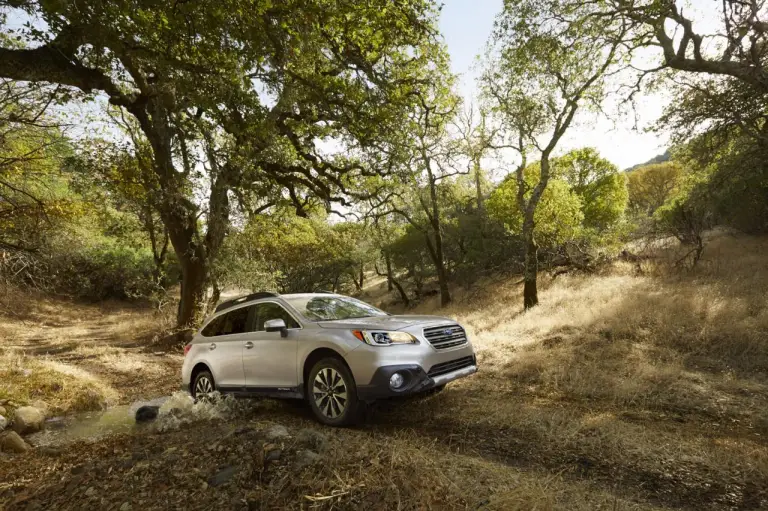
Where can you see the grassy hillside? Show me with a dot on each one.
(638, 388)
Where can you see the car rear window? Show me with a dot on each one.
(233, 322)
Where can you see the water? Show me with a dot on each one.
(175, 411)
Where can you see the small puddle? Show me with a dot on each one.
(175, 410)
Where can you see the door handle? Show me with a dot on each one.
(248, 345)
(212, 346)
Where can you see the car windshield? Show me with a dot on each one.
(329, 308)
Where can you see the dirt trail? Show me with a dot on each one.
(54, 350)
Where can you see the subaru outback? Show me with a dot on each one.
(337, 352)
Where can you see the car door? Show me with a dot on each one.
(225, 354)
(269, 359)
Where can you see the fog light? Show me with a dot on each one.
(396, 381)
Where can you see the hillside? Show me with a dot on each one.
(623, 390)
(659, 158)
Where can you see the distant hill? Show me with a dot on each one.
(665, 156)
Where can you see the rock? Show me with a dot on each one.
(306, 458)
(223, 475)
(3, 422)
(10, 441)
(28, 419)
(126, 506)
(273, 455)
(272, 452)
(3, 411)
(90, 492)
(147, 413)
(277, 432)
(312, 439)
(42, 406)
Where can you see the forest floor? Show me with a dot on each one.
(641, 387)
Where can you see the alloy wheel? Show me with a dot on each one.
(330, 392)
(203, 387)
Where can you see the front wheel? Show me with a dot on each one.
(332, 393)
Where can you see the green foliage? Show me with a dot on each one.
(598, 183)
(653, 185)
(288, 253)
(558, 217)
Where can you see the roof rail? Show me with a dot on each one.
(241, 299)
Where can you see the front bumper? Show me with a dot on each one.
(416, 380)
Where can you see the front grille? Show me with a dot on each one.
(449, 367)
(444, 337)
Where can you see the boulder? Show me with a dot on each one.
(42, 406)
(147, 413)
(3, 411)
(10, 441)
(28, 419)
(3, 423)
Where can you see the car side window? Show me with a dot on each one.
(235, 322)
(213, 328)
(270, 310)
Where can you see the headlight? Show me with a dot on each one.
(375, 338)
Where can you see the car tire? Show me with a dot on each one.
(203, 386)
(332, 393)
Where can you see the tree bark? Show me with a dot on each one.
(388, 260)
(193, 282)
(437, 251)
(402, 293)
(530, 273)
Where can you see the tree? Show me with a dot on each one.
(235, 94)
(540, 69)
(32, 150)
(110, 175)
(653, 185)
(598, 183)
(740, 32)
(429, 155)
(558, 217)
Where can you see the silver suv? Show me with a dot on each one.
(333, 350)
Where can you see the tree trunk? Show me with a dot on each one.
(530, 291)
(478, 187)
(437, 251)
(388, 260)
(193, 282)
(403, 295)
(362, 276)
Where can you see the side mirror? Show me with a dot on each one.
(276, 325)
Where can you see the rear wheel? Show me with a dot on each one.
(332, 393)
(203, 386)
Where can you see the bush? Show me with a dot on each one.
(104, 271)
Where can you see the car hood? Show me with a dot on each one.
(384, 322)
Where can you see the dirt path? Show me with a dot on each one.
(78, 357)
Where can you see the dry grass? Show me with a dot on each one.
(622, 390)
(77, 356)
(657, 381)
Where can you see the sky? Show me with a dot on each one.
(466, 25)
